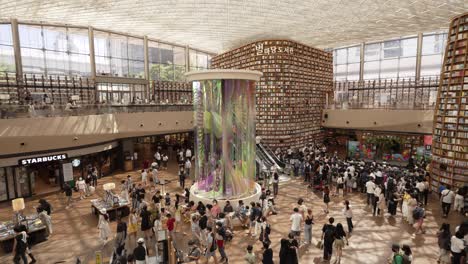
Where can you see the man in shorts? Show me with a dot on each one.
(296, 221)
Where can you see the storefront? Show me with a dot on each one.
(384, 146)
(144, 148)
(46, 172)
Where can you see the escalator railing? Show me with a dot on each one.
(270, 153)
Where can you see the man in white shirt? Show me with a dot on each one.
(157, 157)
(296, 221)
(154, 173)
(447, 197)
(377, 196)
(165, 158)
(457, 247)
(421, 187)
(370, 187)
(144, 177)
(188, 166)
(188, 154)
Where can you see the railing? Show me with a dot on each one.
(28, 111)
(41, 96)
(386, 94)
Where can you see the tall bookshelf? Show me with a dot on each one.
(450, 136)
(291, 94)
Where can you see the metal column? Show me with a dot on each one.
(92, 60)
(361, 68)
(147, 72)
(18, 59)
(418, 56)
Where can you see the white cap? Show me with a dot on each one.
(103, 211)
(141, 240)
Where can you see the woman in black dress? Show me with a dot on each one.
(267, 254)
(146, 223)
(283, 251)
(288, 251)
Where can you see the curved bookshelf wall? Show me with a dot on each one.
(450, 135)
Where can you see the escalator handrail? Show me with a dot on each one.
(273, 155)
(270, 156)
(264, 159)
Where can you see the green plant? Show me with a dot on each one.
(6, 68)
(167, 72)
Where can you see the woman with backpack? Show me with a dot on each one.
(418, 216)
(443, 239)
(210, 246)
(265, 230)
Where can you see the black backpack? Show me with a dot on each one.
(418, 213)
(203, 222)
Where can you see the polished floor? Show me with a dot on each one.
(76, 235)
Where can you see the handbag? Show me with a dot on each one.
(319, 244)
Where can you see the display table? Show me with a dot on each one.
(36, 233)
(120, 209)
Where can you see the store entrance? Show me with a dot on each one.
(45, 177)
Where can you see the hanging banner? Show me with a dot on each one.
(67, 172)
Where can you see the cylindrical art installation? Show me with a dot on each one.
(224, 107)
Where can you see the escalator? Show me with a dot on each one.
(263, 159)
(272, 155)
(268, 159)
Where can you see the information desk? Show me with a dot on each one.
(121, 209)
(36, 233)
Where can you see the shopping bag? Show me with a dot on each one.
(320, 244)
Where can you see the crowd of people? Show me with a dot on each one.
(387, 190)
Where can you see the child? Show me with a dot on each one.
(170, 225)
(270, 208)
(167, 199)
(250, 256)
(178, 216)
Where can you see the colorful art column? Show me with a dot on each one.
(224, 107)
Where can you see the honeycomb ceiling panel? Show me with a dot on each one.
(219, 25)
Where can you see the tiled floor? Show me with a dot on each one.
(76, 235)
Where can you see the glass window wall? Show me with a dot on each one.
(118, 55)
(120, 94)
(7, 54)
(346, 63)
(198, 60)
(433, 47)
(54, 50)
(166, 62)
(390, 59)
